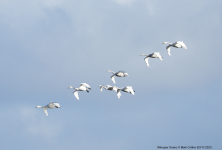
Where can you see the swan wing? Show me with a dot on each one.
(146, 60)
(168, 49)
(85, 84)
(115, 88)
(113, 79)
(158, 55)
(45, 111)
(76, 94)
(131, 90)
(182, 44)
(101, 87)
(118, 94)
(57, 105)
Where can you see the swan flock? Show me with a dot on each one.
(127, 89)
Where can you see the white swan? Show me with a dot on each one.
(118, 74)
(127, 89)
(83, 87)
(178, 44)
(110, 88)
(51, 105)
(153, 55)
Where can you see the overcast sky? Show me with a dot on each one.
(48, 45)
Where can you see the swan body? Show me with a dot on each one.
(51, 105)
(83, 87)
(127, 89)
(118, 74)
(110, 88)
(178, 44)
(153, 55)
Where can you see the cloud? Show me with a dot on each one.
(50, 45)
(32, 122)
(53, 3)
(125, 2)
(37, 125)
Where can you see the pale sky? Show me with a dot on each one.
(48, 45)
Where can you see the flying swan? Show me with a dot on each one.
(110, 88)
(118, 74)
(51, 105)
(178, 44)
(153, 55)
(83, 87)
(127, 89)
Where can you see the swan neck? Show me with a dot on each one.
(167, 43)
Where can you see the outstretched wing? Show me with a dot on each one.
(182, 44)
(146, 60)
(158, 55)
(57, 105)
(118, 93)
(131, 89)
(45, 111)
(108, 86)
(168, 49)
(76, 94)
(113, 79)
(115, 88)
(85, 84)
(101, 87)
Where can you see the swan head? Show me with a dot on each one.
(166, 43)
(38, 106)
(70, 87)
